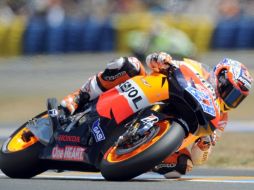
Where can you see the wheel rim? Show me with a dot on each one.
(16, 142)
(112, 157)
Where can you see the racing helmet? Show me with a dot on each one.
(233, 82)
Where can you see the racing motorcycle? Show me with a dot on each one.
(125, 132)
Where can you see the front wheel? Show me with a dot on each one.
(122, 167)
(19, 155)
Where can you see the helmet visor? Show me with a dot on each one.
(231, 95)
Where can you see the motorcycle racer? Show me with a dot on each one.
(116, 72)
(232, 82)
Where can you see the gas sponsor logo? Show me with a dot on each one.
(70, 153)
(67, 138)
(97, 131)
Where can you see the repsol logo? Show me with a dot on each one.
(132, 93)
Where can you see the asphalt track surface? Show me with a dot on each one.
(46, 75)
(200, 179)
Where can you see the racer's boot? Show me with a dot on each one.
(74, 101)
(175, 165)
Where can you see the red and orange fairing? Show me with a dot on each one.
(133, 95)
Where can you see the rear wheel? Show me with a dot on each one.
(120, 167)
(19, 155)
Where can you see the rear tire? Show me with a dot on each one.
(23, 162)
(144, 161)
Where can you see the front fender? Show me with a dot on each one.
(41, 128)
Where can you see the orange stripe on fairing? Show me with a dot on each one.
(109, 102)
(152, 87)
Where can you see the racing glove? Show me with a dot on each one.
(158, 61)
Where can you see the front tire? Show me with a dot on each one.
(126, 167)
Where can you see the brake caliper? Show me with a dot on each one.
(137, 134)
